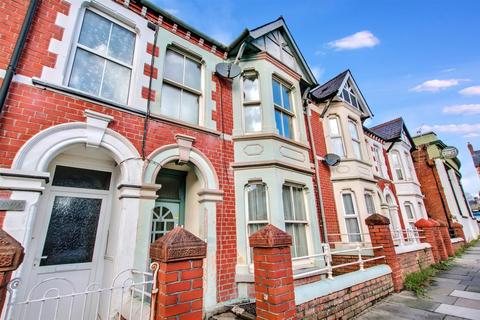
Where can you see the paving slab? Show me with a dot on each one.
(464, 312)
(473, 288)
(466, 294)
(469, 303)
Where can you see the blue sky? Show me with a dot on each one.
(415, 59)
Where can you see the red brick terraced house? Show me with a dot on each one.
(117, 125)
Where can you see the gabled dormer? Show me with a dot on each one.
(342, 88)
(274, 39)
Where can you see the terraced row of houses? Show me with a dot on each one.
(116, 128)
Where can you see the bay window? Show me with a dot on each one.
(283, 108)
(251, 103)
(408, 162)
(352, 127)
(351, 217)
(181, 89)
(370, 204)
(378, 161)
(295, 218)
(336, 136)
(397, 165)
(103, 58)
(410, 213)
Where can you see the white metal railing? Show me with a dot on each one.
(348, 238)
(410, 235)
(128, 297)
(327, 256)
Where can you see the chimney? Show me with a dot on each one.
(470, 147)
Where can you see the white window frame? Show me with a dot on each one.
(413, 219)
(281, 109)
(348, 87)
(371, 195)
(306, 222)
(351, 216)
(355, 140)
(409, 166)
(247, 217)
(398, 167)
(181, 86)
(332, 136)
(378, 160)
(253, 103)
(76, 45)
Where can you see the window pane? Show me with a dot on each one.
(253, 119)
(95, 32)
(348, 204)
(298, 200)
(346, 96)
(354, 101)
(337, 145)
(250, 88)
(71, 231)
(116, 82)
(285, 97)
(352, 126)
(408, 209)
(278, 122)
(287, 125)
(257, 202)
(272, 47)
(369, 203)
(287, 203)
(170, 104)
(173, 66)
(254, 227)
(189, 107)
(356, 150)
(192, 74)
(86, 72)
(300, 240)
(81, 178)
(171, 186)
(122, 44)
(353, 229)
(333, 125)
(277, 95)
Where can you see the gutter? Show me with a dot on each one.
(17, 51)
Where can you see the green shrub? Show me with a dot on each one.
(420, 280)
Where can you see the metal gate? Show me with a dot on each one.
(128, 297)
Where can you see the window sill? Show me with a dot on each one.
(274, 136)
(123, 107)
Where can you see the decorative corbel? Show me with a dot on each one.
(97, 123)
(185, 146)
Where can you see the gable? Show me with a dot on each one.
(350, 93)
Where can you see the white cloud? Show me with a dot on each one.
(362, 39)
(448, 70)
(471, 91)
(461, 128)
(437, 85)
(318, 72)
(472, 135)
(463, 109)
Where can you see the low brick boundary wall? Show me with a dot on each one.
(457, 243)
(341, 259)
(413, 261)
(348, 302)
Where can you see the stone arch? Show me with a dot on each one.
(42, 148)
(163, 155)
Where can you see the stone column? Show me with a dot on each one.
(274, 290)
(428, 228)
(11, 256)
(380, 235)
(446, 238)
(180, 256)
(442, 251)
(458, 229)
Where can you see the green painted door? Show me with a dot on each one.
(169, 210)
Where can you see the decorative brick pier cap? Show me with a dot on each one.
(178, 245)
(270, 237)
(377, 220)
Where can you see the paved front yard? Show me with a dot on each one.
(454, 294)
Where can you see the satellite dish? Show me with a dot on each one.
(449, 152)
(227, 70)
(331, 159)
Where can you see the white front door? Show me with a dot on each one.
(69, 240)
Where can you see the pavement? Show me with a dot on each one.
(454, 294)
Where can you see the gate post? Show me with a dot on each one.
(428, 228)
(11, 256)
(458, 229)
(380, 235)
(179, 255)
(446, 238)
(442, 251)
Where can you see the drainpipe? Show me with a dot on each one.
(317, 173)
(17, 51)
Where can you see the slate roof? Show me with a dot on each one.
(476, 158)
(390, 130)
(329, 88)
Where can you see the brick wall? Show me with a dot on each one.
(415, 260)
(328, 196)
(457, 245)
(341, 259)
(428, 178)
(347, 303)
